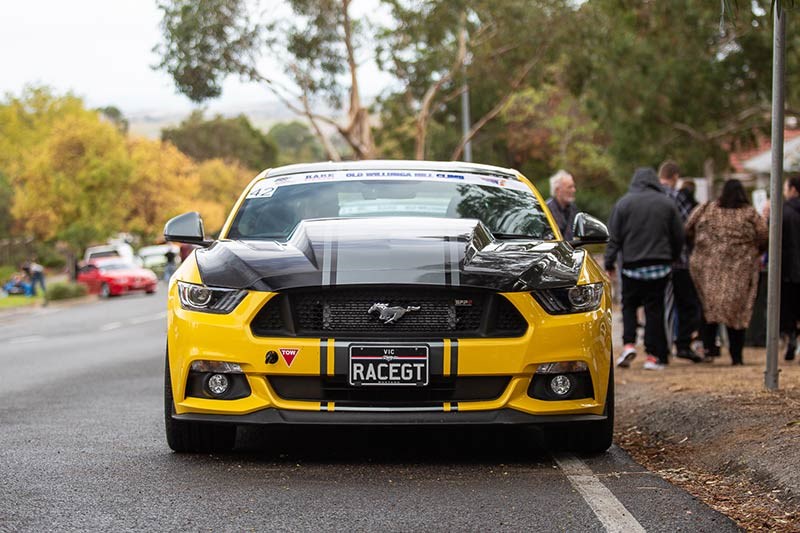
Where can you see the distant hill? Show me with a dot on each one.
(149, 123)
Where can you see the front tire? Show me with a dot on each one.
(587, 437)
(597, 437)
(193, 437)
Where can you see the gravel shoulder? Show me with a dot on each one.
(715, 431)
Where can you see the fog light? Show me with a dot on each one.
(561, 385)
(218, 384)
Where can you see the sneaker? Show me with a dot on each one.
(628, 355)
(652, 364)
(688, 353)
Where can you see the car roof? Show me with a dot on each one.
(394, 164)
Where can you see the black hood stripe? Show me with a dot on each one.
(390, 251)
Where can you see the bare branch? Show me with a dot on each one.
(424, 114)
(485, 119)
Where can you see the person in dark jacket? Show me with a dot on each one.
(790, 265)
(686, 305)
(562, 202)
(647, 233)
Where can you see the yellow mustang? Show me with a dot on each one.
(388, 293)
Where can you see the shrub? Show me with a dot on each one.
(63, 291)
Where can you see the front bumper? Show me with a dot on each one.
(404, 418)
(576, 337)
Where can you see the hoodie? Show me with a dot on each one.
(645, 226)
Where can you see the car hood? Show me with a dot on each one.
(365, 251)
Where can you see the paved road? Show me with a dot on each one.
(82, 448)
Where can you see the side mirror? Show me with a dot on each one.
(588, 230)
(187, 228)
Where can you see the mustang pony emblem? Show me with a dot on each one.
(391, 314)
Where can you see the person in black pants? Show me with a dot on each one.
(790, 266)
(686, 303)
(647, 233)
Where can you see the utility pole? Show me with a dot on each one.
(776, 196)
(466, 122)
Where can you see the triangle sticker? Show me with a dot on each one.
(289, 354)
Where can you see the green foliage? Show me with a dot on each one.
(115, 116)
(232, 139)
(6, 271)
(663, 81)
(204, 42)
(63, 290)
(6, 198)
(295, 143)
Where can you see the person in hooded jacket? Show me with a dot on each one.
(646, 232)
(790, 265)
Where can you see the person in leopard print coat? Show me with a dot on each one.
(729, 236)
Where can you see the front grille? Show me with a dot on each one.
(440, 389)
(345, 312)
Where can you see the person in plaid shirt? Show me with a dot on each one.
(646, 232)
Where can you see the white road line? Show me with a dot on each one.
(22, 340)
(608, 509)
(110, 326)
(149, 318)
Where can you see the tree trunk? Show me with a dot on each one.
(358, 132)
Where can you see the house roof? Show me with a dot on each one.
(762, 163)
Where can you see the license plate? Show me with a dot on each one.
(388, 365)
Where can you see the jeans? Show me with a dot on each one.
(37, 278)
(650, 294)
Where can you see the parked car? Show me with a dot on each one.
(114, 276)
(389, 293)
(119, 250)
(155, 258)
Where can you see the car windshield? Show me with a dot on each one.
(115, 266)
(273, 208)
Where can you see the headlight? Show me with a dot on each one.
(209, 299)
(578, 299)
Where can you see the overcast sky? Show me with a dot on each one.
(100, 50)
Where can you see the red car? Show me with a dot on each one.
(112, 277)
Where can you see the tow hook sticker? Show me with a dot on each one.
(289, 354)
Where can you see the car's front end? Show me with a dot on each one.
(354, 318)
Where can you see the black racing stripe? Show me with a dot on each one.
(323, 406)
(454, 357)
(323, 357)
(454, 406)
(448, 262)
(341, 358)
(435, 358)
(334, 259)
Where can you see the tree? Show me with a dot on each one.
(548, 128)
(509, 44)
(221, 184)
(295, 143)
(663, 80)
(232, 139)
(115, 116)
(205, 41)
(163, 183)
(71, 188)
